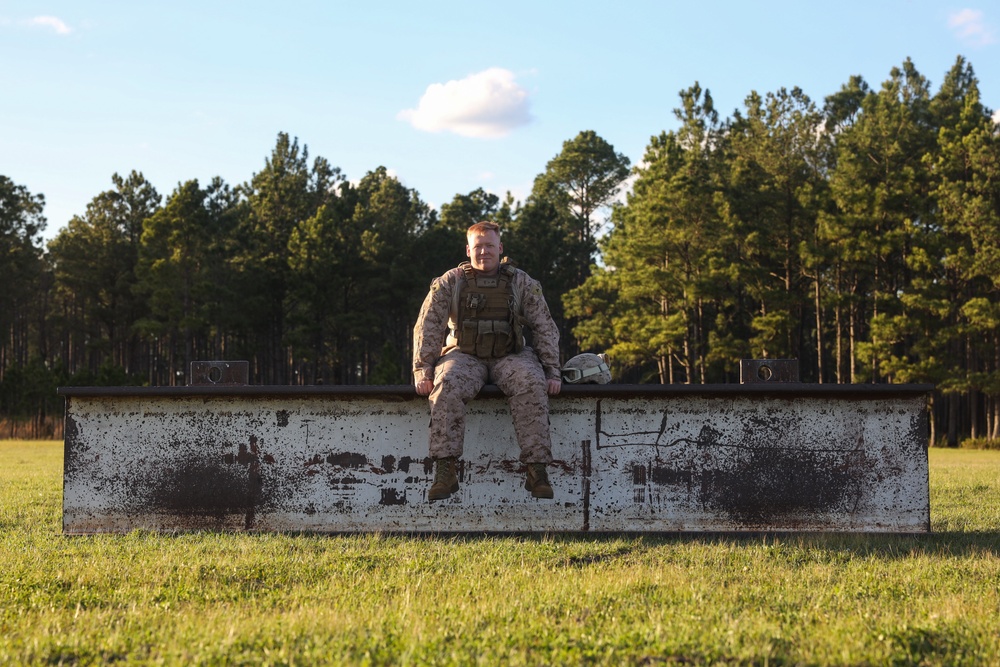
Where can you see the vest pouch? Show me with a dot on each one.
(502, 338)
(485, 339)
(468, 336)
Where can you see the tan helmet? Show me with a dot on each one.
(587, 368)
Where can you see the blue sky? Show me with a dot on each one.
(449, 96)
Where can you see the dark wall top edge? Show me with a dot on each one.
(789, 389)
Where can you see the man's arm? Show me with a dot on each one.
(545, 333)
(430, 332)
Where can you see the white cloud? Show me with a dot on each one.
(996, 116)
(625, 189)
(389, 171)
(50, 22)
(970, 26)
(487, 104)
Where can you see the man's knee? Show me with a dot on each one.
(461, 375)
(520, 376)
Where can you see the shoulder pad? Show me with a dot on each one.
(467, 269)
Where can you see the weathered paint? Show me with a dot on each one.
(628, 458)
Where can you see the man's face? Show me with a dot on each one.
(484, 251)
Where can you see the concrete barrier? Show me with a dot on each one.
(634, 458)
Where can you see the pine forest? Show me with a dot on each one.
(859, 235)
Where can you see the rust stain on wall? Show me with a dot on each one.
(770, 484)
(347, 459)
(202, 486)
(392, 497)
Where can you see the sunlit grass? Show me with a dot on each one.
(210, 598)
(965, 490)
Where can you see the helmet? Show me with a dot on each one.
(587, 367)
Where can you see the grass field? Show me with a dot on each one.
(210, 598)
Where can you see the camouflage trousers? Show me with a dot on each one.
(458, 377)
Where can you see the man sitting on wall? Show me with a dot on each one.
(471, 330)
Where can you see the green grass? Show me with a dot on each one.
(210, 598)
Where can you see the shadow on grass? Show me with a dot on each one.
(584, 549)
(881, 545)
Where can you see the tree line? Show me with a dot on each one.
(861, 237)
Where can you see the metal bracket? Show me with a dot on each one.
(754, 371)
(225, 373)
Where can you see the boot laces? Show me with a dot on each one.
(443, 471)
(539, 475)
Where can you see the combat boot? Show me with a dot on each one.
(537, 481)
(445, 479)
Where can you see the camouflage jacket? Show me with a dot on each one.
(434, 323)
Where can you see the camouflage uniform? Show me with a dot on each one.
(458, 376)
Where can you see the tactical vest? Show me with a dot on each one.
(486, 314)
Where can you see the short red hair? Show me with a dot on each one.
(483, 227)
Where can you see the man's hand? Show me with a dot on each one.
(553, 388)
